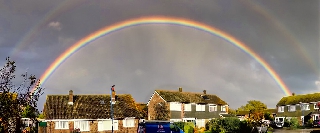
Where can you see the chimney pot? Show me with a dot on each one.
(204, 91)
(70, 102)
(180, 89)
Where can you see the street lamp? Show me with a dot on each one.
(302, 107)
(111, 102)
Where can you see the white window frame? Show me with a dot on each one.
(223, 108)
(61, 124)
(315, 106)
(200, 107)
(292, 108)
(82, 125)
(175, 106)
(106, 124)
(280, 108)
(213, 108)
(305, 107)
(128, 122)
(187, 107)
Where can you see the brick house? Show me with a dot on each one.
(188, 106)
(90, 113)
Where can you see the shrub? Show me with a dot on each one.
(188, 127)
(180, 125)
(294, 123)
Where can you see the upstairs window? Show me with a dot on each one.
(187, 107)
(223, 108)
(200, 107)
(281, 109)
(315, 106)
(212, 108)
(305, 107)
(175, 106)
(291, 108)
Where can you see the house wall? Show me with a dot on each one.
(296, 113)
(197, 114)
(153, 101)
(93, 128)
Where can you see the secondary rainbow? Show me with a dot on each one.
(161, 20)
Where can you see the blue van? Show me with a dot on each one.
(158, 127)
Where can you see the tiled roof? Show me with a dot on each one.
(296, 99)
(89, 107)
(189, 97)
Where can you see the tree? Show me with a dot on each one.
(253, 105)
(161, 111)
(256, 112)
(232, 112)
(17, 101)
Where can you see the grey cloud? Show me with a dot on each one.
(173, 55)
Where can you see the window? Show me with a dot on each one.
(291, 108)
(315, 106)
(200, 123)
(128, 122)
(107, 125)
(212, 108)
(187, 107)
(82, 125)
(175, 106)
(61, 125)
(224, 108)
(281, 109)
(305, 107)
(200, 107)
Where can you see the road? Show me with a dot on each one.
(295, 131)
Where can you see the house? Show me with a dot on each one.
(188, 106)
(90, 113)
(299, 106)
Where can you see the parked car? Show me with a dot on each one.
(158, 127)
(316, 123)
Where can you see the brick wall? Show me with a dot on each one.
(153, 101)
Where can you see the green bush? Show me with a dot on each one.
(180, 125)
(294, 123)
(188, 127)
(229, 124)
(245, 126)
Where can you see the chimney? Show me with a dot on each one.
(204, 91)
(180, 89)
(70, 102)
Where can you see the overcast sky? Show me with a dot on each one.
(143, 58)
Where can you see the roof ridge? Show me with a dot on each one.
(186, 92)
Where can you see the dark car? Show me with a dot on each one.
(316, 123)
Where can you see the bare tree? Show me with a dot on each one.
(14, 99)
